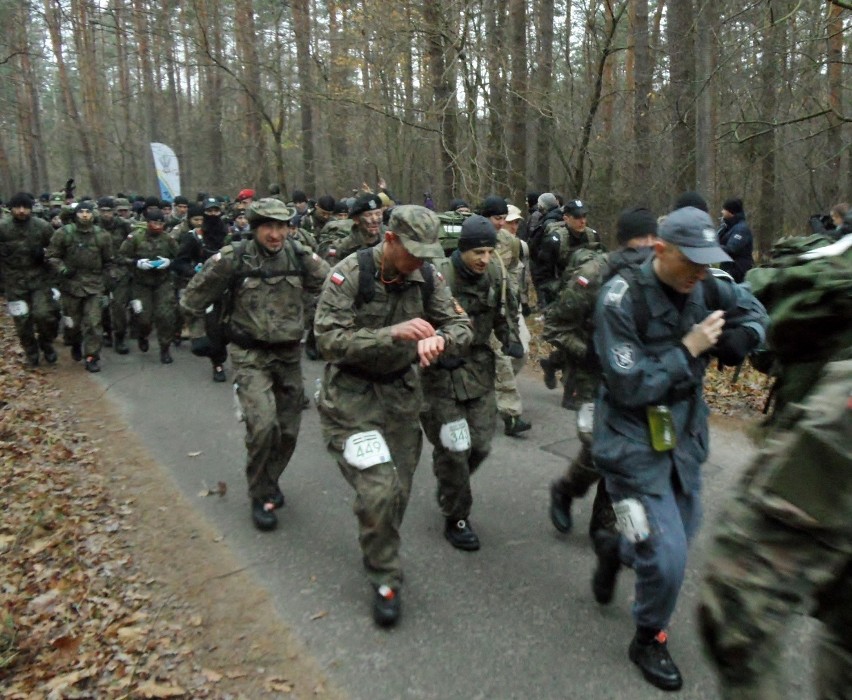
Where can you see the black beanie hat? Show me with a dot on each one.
(494, 206)
(635, 223)
(326, 202)
(477, 232)
(457, 203)
(180, 199)
(20, 199)
(692, 199)
(194, 210)
(106, 203)
(87, 205)
(152, 202)
(733, 205)
(299, 196)
(154, 215)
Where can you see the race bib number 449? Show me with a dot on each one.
(365, 450)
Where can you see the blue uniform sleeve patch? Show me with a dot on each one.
(623, 356)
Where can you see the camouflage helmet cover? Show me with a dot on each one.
(418, 229)
(268, 208)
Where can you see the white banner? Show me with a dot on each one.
(168, 172)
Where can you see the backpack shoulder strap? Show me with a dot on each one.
(428, 272)
(366, 277)
(641, 312)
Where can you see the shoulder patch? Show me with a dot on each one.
(616, 293)
(337, 278)
(217, 256)
(623, 356)
(582, 281)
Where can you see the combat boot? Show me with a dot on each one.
(165, 355)
(92, 364)
(609, 564)
(386, 606)
(460, 534)
(219, 374)
(653, 659)
(560, 508)
(264, 518)
(120, 346)
(515, 425)
(49, 353)
(549, 372)
(76, 352)
(143, 344)
(32, 358)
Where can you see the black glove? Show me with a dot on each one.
(734, 345)
(513, 349)
(201, 347)
(37, 254)
(525, 310)
(445, 362)
(70, 187)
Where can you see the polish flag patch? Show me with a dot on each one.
(582, 281)
(337, 278)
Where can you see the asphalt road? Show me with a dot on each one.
(515, 620)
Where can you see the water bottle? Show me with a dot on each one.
(662, 428)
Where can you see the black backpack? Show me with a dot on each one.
(367, 275)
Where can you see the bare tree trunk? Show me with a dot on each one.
(246, 35)
(496, 51)
(517, 126)
(29, 113)
(706, 51)
(146, 105)
(52, 12)
(770, 77)
(302, 28)
(543, 96)
(834, 136)
(337, 86)
(641, 100)
(680, 36)
(444, 97)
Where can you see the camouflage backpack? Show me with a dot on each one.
(807, 290)
(451, 226)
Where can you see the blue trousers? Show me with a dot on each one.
(660, 561)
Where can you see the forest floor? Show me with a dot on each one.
(106, 583)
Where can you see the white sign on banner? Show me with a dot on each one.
(168, 171)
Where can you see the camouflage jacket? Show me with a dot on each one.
(81, 258)
(482, 298)
(263, 293)
(22, 258)
(357, 336)
(142, 245)
(334, 231)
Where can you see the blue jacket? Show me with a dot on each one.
(641, 370)
(736, 240)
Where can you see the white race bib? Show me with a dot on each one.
(67, 322)
(18, 308)
(365, 450)
(586, 418)
(632, 519)
(455, 436)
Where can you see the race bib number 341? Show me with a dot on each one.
(365, 450)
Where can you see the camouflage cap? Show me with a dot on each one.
(418, 229)
(121, 203)
(58, 197)
(268, 208)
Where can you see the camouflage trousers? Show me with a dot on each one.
(269, 391)
(84, 314)
(508, 397)
(783, 546)
(39, 326)
(159, 310)
(581, 474)
(119, 300)
(350, 407)
(452, 468)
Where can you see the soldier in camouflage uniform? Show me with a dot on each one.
(26, 278)
(367, 229)
(118, 285)
(319, 216)
(461, 403)
(373, 325)
(569, 326)
(81, 254)
(149, 254)
(783, 543)
(260, 284)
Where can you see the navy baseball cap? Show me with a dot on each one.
(692, 231)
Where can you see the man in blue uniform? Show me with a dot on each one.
(655, 331)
